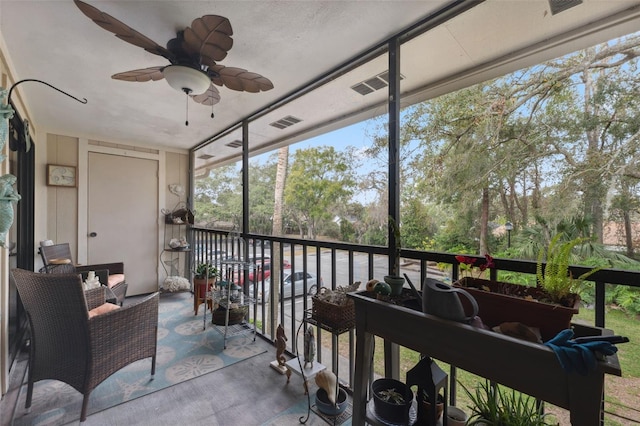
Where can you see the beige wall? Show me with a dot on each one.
(60, 211)
(61, 203)
(177, 172)
(65, 206)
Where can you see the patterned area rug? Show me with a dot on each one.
(184, 351)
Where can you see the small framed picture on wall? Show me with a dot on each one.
(58, 175)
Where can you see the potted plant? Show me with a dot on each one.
(204, 279)
(555, 278)
(325, 406)
(206, 272)
(391, 400)
(549, 306)
(425, 413)
(491, 405)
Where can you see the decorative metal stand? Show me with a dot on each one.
(230, 298)
(337, 419)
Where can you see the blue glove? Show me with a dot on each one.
(568, 356)
(578, 356)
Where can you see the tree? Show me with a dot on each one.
(595, 128)
(541, 141)
(276, 230)
(625, 204)
(319, 179)
(262, 176)
(218, 197)
(281, 177)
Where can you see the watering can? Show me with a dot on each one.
(443, 301)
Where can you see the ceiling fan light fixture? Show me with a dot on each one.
(186, 79)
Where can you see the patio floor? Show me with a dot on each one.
(247, 393)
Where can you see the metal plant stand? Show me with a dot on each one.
(230, 299)
(339, 418)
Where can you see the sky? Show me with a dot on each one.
(354, 135)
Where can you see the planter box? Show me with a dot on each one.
(520, 304)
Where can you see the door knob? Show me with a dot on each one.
(93, 234)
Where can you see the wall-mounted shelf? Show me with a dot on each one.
(175, 261)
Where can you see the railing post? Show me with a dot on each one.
(599, 304)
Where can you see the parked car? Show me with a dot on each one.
(262, 268)
(293, 284)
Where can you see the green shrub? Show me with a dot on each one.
(491, 405)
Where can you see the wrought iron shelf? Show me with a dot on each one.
(338, 419)
(224, 299)
(310, 319)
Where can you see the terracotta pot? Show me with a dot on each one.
(424, 411)
(496, 307)
(201, 285)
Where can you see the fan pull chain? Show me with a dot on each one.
(186, 123)
(212, 108)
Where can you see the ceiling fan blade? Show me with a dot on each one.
(240, 79)
(210, 97)
(141, 75)
(123, 31)
(209, 37)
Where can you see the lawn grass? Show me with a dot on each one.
(624, 325)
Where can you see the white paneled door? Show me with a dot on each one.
(123, 216)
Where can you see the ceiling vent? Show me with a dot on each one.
(205, 156)
(235, 144)
(558, 6)
(285, 122)
(372, 84)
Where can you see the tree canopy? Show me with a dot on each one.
(546, 144)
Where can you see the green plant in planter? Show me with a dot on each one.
(391, 396)
(556, 279)
(490, 405)
(205, 270)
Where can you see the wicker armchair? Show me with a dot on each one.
(69, 346)
(57, 258)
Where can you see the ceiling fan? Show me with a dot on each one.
(193, 57)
